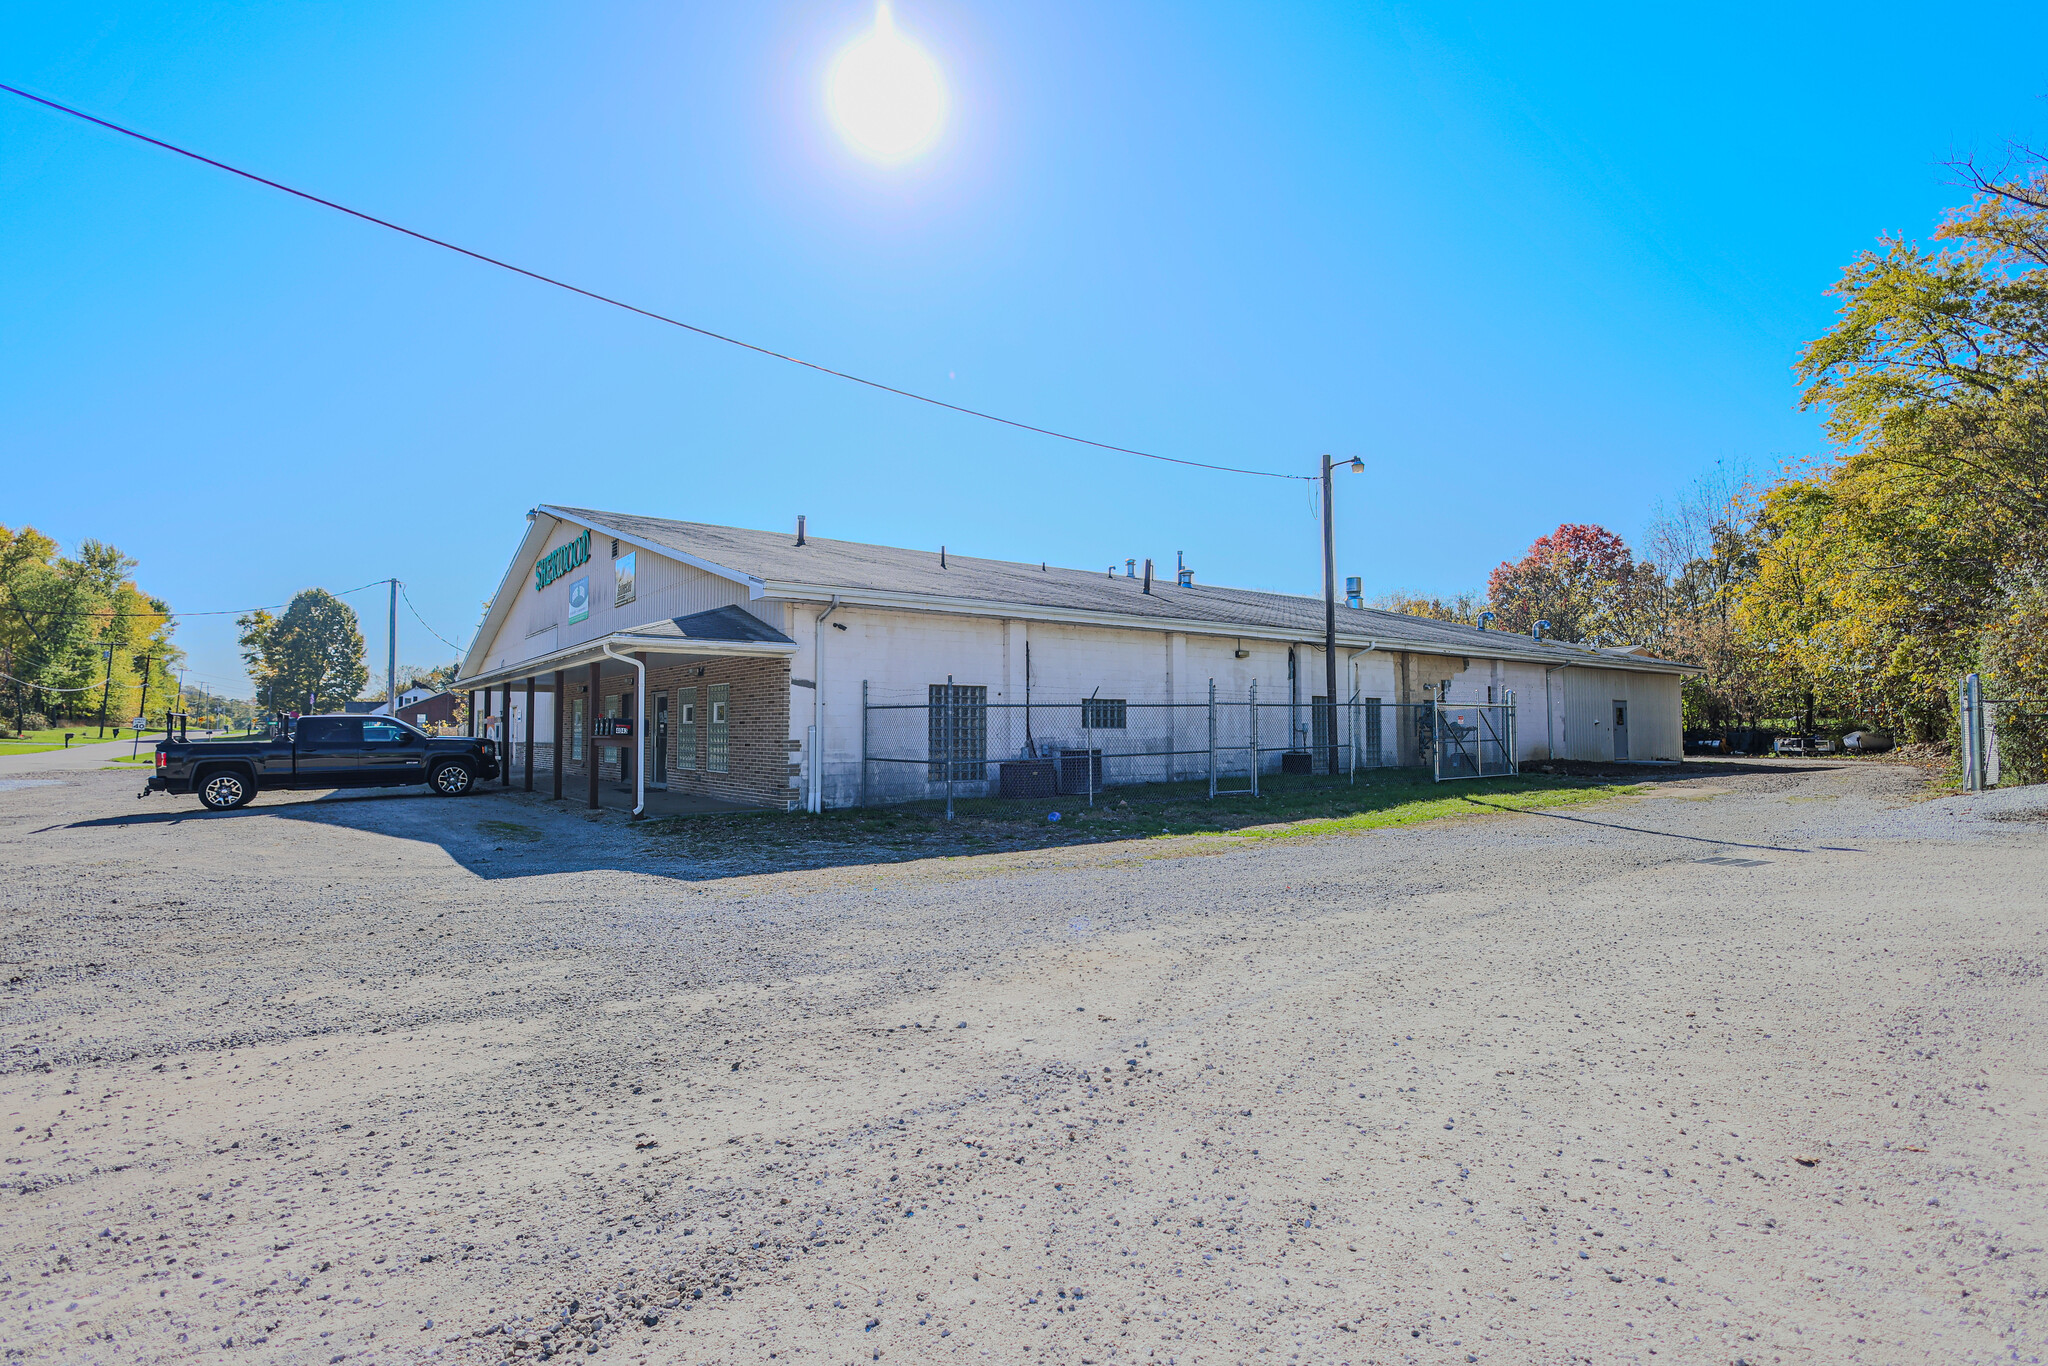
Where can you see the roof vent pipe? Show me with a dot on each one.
(1130, 569)
(1484, 617)
(1182, 575)
(1536, 632)
(1148, 573)
(799, 528)
(942, 557)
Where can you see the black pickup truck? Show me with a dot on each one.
(321, 752)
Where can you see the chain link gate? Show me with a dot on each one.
(1473, 739)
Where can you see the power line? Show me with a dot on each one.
(217, 612)
(635, 308)
(423, 621)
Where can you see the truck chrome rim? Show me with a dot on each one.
(452, 779)
(224, 790)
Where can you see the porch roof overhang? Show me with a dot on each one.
(659, 646)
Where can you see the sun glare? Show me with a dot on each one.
(885, 93)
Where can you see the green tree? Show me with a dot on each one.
(1915, 556)
(309, 659)
(62, 617)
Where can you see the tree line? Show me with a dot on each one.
(79, 641)
(1865, 585)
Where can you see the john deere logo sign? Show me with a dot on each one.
(560, 561)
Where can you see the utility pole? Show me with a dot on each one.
(391, 660)
(143, 710)
(108, 690)
(1330, 613)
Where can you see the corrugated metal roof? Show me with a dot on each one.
(831, 566)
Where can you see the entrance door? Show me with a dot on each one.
(1620, 729)
(658, 776)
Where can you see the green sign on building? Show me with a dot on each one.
(561, 560)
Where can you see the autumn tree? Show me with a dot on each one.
(76, 632)
(1922, 550)
(1583, 580)
(1463, 608)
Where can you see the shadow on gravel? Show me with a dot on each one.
(1641, 830)
(498, 835)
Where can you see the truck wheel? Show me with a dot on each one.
(225, 790)
(451, 780)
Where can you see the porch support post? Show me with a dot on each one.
(471, 709)
(561, 693)
(505, 730)
(529, 732)
(589, 749)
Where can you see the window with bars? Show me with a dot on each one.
(1103, 713)
(958, 731)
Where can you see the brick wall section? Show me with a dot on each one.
(759, 758)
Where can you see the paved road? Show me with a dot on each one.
(65, 760)
(1749, 1069)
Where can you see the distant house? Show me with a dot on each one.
(428, 710)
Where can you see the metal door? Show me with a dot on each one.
(1620, 729)
(659, 776)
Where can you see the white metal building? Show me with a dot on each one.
(747, 665)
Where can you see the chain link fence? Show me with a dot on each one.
(950, 740)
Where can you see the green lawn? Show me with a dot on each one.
(82, 733)
(1287, 807)
(36, 741)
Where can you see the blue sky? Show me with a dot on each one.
(1533, 265)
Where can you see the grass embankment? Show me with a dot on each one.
(1286, 807)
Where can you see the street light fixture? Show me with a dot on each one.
(1330, 613)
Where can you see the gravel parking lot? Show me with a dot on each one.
(1745, 1069)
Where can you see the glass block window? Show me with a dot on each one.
(686, 728)
(958, 729)
(1103, 713)
(719, 735)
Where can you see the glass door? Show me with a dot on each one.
(658, 775)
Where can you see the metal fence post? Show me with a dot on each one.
(1972, 699)
(946, 729)
(863, 742)
(1514, 760)
(1212, 739)
(1255, 737)
(1087, 754)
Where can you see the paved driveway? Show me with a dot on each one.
(1749, 1069)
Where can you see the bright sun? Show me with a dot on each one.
(885, 93)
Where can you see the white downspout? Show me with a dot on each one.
(639, 729)
(814, 795)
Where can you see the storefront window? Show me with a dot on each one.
(579, 726)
